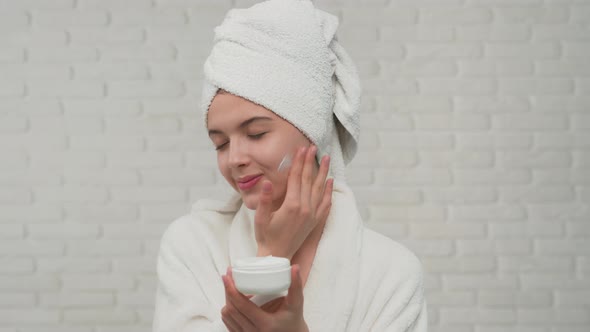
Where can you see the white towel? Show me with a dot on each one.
(285, 56)
(359, 280)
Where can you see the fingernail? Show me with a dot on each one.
(314, 149)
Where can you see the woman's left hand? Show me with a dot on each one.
(282, 314)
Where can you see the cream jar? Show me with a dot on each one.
(266, 277)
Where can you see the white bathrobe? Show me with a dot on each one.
(359, 281)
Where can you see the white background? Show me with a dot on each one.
(475, 153)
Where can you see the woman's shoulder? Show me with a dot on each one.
(381, 253)
(391, 286)
(194, 244)
(230, 203)
(207, 219)
(385, 254)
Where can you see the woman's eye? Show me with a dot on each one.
(257, 136)
(217, 148)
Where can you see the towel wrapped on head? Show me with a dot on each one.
(284, 55)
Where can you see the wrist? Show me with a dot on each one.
(262, 251)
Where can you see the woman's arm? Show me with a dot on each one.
(391, 293)
(186, 293)
(421, 323)
(404, 313)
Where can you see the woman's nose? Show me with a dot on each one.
(238, 155)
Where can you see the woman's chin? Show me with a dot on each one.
(250, 202)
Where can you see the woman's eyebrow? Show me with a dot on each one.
(243, 124)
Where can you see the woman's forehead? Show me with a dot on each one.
(228, 109)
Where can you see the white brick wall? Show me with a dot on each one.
(475, 153)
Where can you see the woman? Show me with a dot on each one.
(279, 85)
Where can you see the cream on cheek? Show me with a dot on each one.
(270, 158)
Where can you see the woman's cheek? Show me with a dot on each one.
(222, 166)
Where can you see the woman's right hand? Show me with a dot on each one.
(283, 314)
(307, 203)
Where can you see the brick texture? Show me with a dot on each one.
(475, 153)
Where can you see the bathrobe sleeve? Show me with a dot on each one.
(190, 293)
(391, 288)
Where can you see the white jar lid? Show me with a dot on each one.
(261, 264)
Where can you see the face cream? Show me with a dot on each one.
(285, 163)
(262, 275)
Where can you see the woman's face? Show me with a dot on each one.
(251, 141)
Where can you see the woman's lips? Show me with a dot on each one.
(249, 184)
